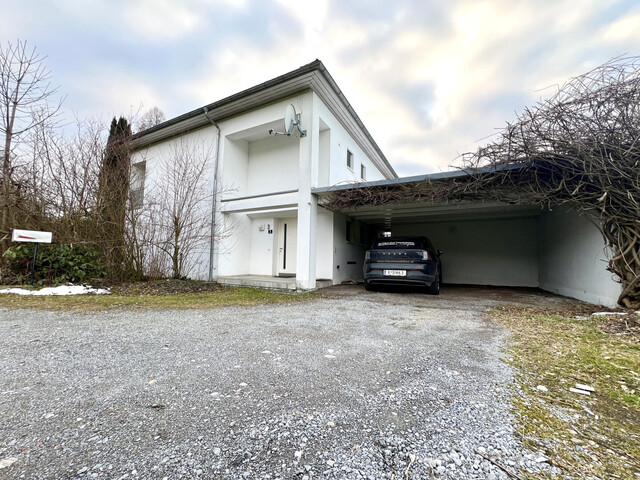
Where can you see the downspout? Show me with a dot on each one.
(215, 194)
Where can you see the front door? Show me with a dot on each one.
(287, 246)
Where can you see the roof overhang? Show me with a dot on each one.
(311, 77)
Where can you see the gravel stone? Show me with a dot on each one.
(416, 385)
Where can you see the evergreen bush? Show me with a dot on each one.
(55, 264)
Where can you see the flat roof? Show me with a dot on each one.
(417, 178)
(416, 212)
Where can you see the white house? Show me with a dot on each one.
(264, 180)
(268, 186)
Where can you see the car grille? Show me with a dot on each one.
(396, 257)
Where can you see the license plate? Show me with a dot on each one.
(395, 273)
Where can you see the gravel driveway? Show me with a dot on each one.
(354, 385)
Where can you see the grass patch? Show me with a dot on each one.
(133, 298)
(588, 437)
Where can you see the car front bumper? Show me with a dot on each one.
(415, 274)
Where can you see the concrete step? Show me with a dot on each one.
(264, 281)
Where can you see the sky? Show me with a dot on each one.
(430, 79)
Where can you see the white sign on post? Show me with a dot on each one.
(30, 236)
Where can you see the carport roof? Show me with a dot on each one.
(417, 212)
(463, 172)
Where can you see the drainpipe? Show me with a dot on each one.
(215, 193)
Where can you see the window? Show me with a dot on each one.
(349, 232)
(349, 159)
(363, 172)
(138, 171)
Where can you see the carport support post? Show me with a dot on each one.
(307, 232)
(307, 202)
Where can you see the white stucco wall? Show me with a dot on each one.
(272, 165)
(252, 161)
(202, 141)
(573, 260)
(339, 141)
(324, 245)
(491, 252)
(324, 157)
(201, 144)
(235, 249)
(234, 167)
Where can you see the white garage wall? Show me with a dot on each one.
(573, 260)
(348, 257)
(491, 252)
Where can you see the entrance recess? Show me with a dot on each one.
(287, 246)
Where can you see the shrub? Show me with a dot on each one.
(54, 263)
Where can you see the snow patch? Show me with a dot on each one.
(61, 290)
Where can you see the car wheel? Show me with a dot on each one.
(367, 286)
(434, 289)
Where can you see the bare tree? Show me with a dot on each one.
(184, 203)
(25, 93)
(140, 236)
(70, 166)
(173, 223)
(61, 180)
(152, 117)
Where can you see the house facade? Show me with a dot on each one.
(266, 221)
(268, 179)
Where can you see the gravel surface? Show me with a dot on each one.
(354, 385)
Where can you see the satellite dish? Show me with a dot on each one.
(291, 121)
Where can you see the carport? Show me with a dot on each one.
(494, 243)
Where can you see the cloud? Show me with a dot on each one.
(623, 30)
(429, 79)
(112, 92)
(429, 82)
(162, 20)
(439, 90)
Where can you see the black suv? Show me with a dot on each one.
(410, 261)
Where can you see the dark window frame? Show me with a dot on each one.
(349, 231)
(350, 160)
